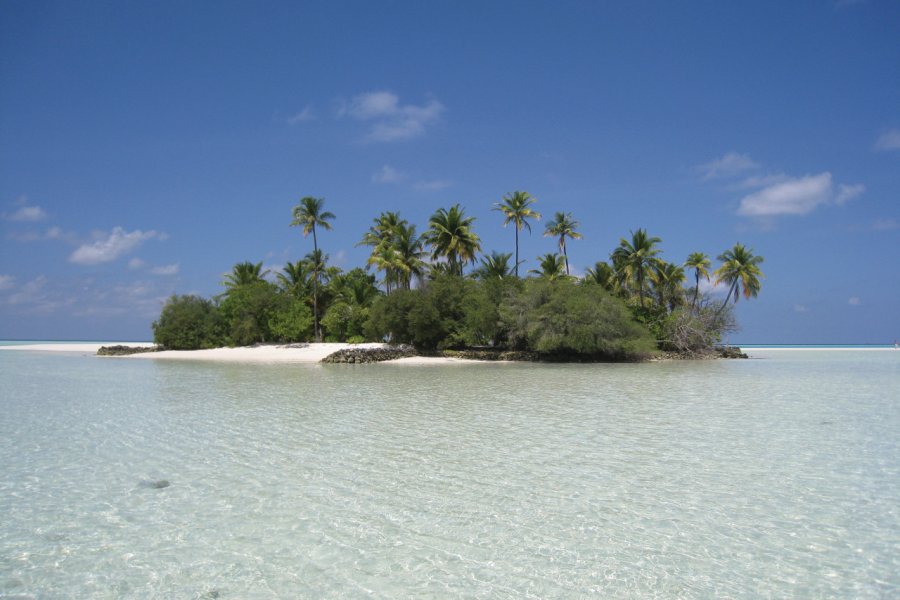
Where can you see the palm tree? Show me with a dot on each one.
(309, 214)
(563, 226)
(740, 270)
(409, 249)
(356, 287)
(603, 275)
(243, 274)
(384, 257)
(552, 266)
(515, 209)
(495, 266)
(294, 278)
(667, 279)
(635, 257)
(450, 236)
(384, 228)
(699, 262)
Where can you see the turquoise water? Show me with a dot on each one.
(776, 477)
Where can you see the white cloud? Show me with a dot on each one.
(28, 214)
(172, 269)
(303, 116)
(391, 121)
(6, 282)
(136, 263)
(728, 165)
(797, 196)
(709, 286)
(799, 308)
(854, 301)
(388, 174)
(890, 140)
(109, 247)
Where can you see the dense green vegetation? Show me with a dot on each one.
(624, 308)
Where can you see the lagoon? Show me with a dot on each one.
(775, 476)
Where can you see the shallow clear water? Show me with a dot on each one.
(773, 477)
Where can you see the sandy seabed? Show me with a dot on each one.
(262, 353)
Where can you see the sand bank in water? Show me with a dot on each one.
(264, 353)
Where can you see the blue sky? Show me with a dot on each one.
(145, 148)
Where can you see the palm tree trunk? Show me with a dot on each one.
(640, 278)
(517, 252)
(696, 290)
(562, 245)
(727, 298)
(316, 332)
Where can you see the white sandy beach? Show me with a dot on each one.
(263, 353)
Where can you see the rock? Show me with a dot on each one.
(370, 355)
(731, 352)
(492, 354)
(126, 350)
(156, 485)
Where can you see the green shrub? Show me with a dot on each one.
(247, 310)
(563, 318)
(188, 323)
(291, 320)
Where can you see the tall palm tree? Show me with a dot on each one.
(700, 263)
(243, 274)
(603, 275)
(450, 236)
(495, 266)
(563, 226)
(552, 267)
(516, 209)
(667, 279)
(635, 256)
(740, 270)
(308, 215)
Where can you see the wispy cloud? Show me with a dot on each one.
(800, 308)
(709, 286)
(27, 214)
(797, 196)
(434, 185)
(307, 114)
(388, 174)
(389, 120)
(107, 247)
(846, 193)
(7, 282)
(166, 270)
(854, 301)
(728, 165)
(885, 224)
(392, 176)
(51, 233)
(890, 140)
